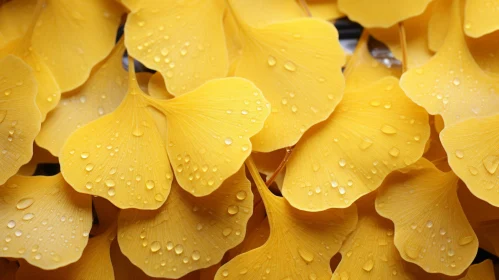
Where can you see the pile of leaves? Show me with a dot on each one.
(254, 147)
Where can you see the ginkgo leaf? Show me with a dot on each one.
(473, 155)
(156, 87)
(268, 163)
(480, 271)
(95, 263)
(297, 65)
(369, 252)
(363, 69)
(435, 150)
(40, 156)
(209, 131)
(480, 17)
(100, 95)
(15, 17)
(45, 221)
(383, 13)
(259, 13)
(120, 156)
(439, 23)
(325, 9)
(477, 211)
(432, 231)
(233, 41)
(106, 215)
(169, 238)
(374, 130)
(125, 270)
(19, 115)
(451, 84)
(156, 35)
(416, 29)
(71, 37)
(300, 245)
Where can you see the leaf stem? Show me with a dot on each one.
(289, 151)
(403, 45)
(304, 6)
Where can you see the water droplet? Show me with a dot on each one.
(306, 255)
(473, 170)
(294, 109)
(11, 224)
(226, 231)
(459, 153)
(137, 132)
(429, 224)
(28, 216)
(155, 246)
(394, 152)
(110, 183)
(111, 192)
(169, 245)
(342, 190)
(150, 185)
(366, 143)
(491, 163)
(241, 195)
(228, 141)
(290, 66)
(85, 155)
(195, 255)
(18, 233)
(368, 265)
(388, 129)
(89, 185)
(89, 167)
(179, 249)
(225, 273)
(233, 209)
(271, 61)
(342, 162)
(450, 252)
(24, 203)
(411, 251)
(456, 82)
(465, 240)
(442, 231)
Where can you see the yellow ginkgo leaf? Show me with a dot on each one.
(106, 215)
(45, 222)
(325, 9)
(438, 24)
(101, 94)
(363, 69)
(268, 163)
(19, 115)
(416, 29)
(120, 156)
(209, 131)
(300, 244)
(156, 87)
(156, 35)
(478, 212)
(40, 156)
(451, 84)
(382, 13)
(297, 65)
(374, 130)
(474, 156)
(169, 238)
(432, 231)
(259, 13)
(95, 263)
(481, 17)
(15, 17)
(435, 151)
(233, 41)
(369, 252)
(125, 270)
(73, 36)
(48, 94)
(481, 271)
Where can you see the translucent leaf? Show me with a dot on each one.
(289, 60)
(73, 36)
(325, 9)
(45, 222)
(451, 84)
(480, 17)
(100, 95)
(383, 13)
(156, 35)
(95, 263)
(169, 238)
(374, 130)
(300, 243)
(471, 148)
(432, 231)
(218, 120)
(120, 156)
(19, 115)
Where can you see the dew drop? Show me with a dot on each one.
(241, 195)
(150, 185)
(84, 155)
(294, 109)
(11, 224)
(111, 192)
(306, 255)
(459, 153)
(456, 82)
(155, 246)
(290, 66)
(228, 141)
(368, 265)
(24, 203)
(28, 216)
(465, 240)
(110, 183)
(89, 167)
(88, 185)
(233, 209)
(159, 197)
(179, 249)
(491, 163)
(394, 152)
(226, 231)
(195, 255)
(342, 162)
(366, 143)
(387, 129)
(271, 61)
